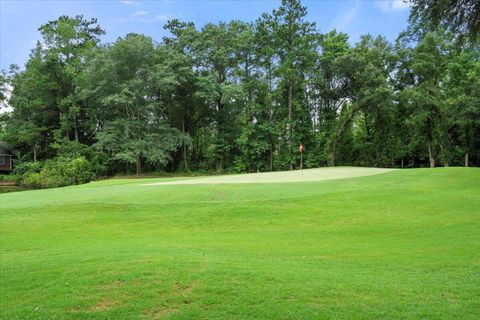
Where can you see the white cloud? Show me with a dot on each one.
(166, 17)
(145, 17)
(392, 5)
(345, 16)
(130, 2)
(140, 13)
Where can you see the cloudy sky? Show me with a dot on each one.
(19, 20)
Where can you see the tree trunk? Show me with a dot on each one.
(445, 162)
(271, 139)
(220, 128)
(271, 157)
(430, 156)
(402, 162)
(139, 166)
(35, 152)
(289, 126)
(76, 130)
(185, 162)
(270, 89)
(367, 127)
(338, 135)
(332, 155)
(466, 159)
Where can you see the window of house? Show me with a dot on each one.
(2, 160)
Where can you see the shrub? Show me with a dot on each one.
(239, 166)
(57, 172)
(24, 169)
(32, 180)
(27, 167)
(73, 149)
(8, 177)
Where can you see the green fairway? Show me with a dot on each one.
(403, 244)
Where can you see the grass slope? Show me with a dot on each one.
(399, 245)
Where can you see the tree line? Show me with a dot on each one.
(241, 97)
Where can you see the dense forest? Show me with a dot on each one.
(241, 97)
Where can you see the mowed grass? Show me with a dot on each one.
(307, 175)
(399, 245)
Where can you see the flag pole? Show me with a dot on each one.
(300, 148)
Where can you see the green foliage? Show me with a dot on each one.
(56, 172)
(24, 168)
(236, 96)
(460, 17)
(73, 149)
(8, 177)
(131, 141)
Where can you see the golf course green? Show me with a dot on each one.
(351, 243)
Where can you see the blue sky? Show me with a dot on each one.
(19, 20)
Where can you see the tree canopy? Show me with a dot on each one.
(241, 96)
(461, 17)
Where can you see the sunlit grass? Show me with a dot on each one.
(399, 245)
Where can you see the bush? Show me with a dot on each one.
(73, 149)
(8, 177)
(57, 172)
(32, 180)
(239, 166)
(23, 168)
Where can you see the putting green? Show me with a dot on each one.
(318, 174)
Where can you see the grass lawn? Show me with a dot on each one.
(404, 244)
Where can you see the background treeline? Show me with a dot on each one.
(240, 97)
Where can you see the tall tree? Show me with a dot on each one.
(184, 109)
(461, 17)
(217, 58)
(67, 44)
(428, 96)
(329, 92)
(462, 86)
(130, 94)
(295, 47)
(266, 62)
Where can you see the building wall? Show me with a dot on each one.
(5, 163)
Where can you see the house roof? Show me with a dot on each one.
(3, 149)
